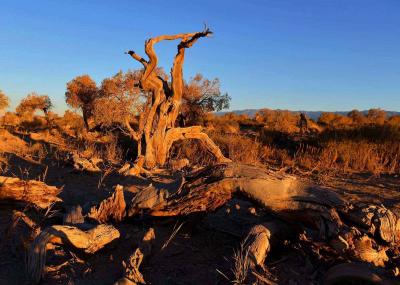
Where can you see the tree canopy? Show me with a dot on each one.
(4, 101)
(81, 94)
(34, 102)
(200, 96)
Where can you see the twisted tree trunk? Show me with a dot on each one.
(156, 131)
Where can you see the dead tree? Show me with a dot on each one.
(156, 130)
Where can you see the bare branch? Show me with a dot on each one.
(137, 57)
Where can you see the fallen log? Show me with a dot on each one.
(28, 192)
(89, 241)
(361, 232)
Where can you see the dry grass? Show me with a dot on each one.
(349, 156)
(241, 265)
(239, 148)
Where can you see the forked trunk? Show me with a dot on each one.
(157, 132)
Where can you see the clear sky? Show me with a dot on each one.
(288, 54)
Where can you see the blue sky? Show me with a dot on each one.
(288, 54)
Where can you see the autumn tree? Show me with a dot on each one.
(200, 96)
(118, 100)
(334, 120)
(34, 102)
(156, 131)
(376, 116)
(81, 94)
(358, 117)
(278, 120)
(4, 101)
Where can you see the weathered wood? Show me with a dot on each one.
(132, 274)
(257, 243)
(89, 241)
(112, 208)
(210, 188)
(358, 232)
(156, 126)
(28, 192)
(146, 199)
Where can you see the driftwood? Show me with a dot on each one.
(132, 274)
(359, 232)
(28, 192)
(89, 241)
(362, 232)
(112, 208)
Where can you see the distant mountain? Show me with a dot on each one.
(311, 114)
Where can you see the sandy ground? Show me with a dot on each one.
(201, 252)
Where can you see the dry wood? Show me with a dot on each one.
(364, 235)
(147, 198)
(132, 274)
(90, 242)
(367, 250)
(112, 208)
(156, 127)
(28, 191)
(258, 245)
